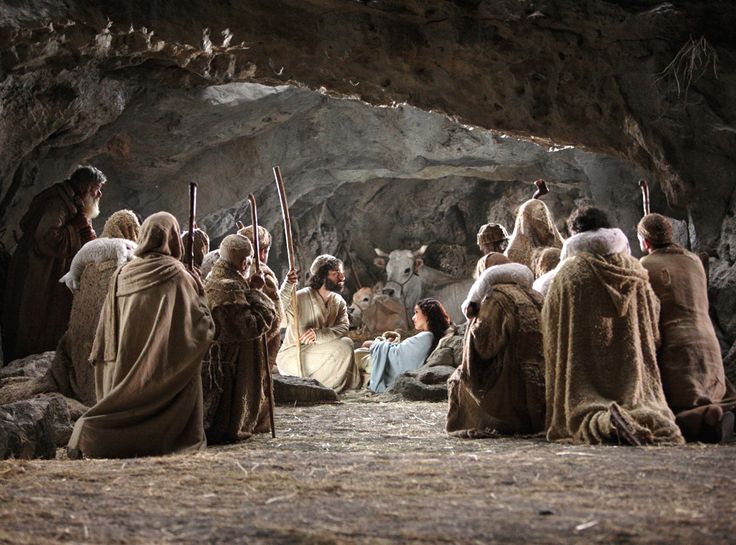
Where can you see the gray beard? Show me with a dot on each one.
(90, 207)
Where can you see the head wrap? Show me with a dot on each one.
(201, 244)
(235, 248)
(160, 234)
(122, 224)
(492, 232)
(656, 229)
(264, 237)
(322, 260)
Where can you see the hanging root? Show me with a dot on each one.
(690, 64)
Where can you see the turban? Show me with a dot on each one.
(322, 260)
(492, 232)
(235, 248)
(656, 229)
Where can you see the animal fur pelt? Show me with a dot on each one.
(601, 242)
(97, 251)
(208, 262)
(509, 273)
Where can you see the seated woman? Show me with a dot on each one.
(383, 361)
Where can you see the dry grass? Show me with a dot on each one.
(366, 471)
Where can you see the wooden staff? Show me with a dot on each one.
(258, 273)
(292, 260)
(645, 195)
(541, 189)
(192, 223)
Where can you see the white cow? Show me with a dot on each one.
(408, 279)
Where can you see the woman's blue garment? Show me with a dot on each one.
(389, 360)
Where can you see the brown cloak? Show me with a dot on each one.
(500, 385)
(489, 260)
(36, 306)
(233, 377)
(689, 357)
(153, 332)
(600, 332)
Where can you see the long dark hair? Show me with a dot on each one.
(437, 318)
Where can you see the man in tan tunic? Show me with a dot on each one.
(599, 324)
(499, 387)
(36, 307)
(689, 357)
(492, 241)
(235, 399)
(153, 332)
(326, 354)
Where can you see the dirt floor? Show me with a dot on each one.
(368, 471)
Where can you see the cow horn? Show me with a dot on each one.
(380, 252)
(420, 251)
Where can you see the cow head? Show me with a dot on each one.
(401, 266)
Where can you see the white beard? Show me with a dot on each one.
(90, 207)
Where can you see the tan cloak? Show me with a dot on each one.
(36, 306)
(330, 359)
(534, 230)
(500, 385)
(153, 332)
(689, 357)
(233, 376)
(600, 332)
(489, 260)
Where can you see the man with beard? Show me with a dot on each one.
(326, 355)
(58, 222)
(233, 377)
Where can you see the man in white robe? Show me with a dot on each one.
(326, 354)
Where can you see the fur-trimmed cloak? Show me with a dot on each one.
(499, 388)
(233, 376)
(600, 333)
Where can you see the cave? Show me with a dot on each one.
(396, 124)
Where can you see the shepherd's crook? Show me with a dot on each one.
(257, 272)
(292, 261)
(645, 195)
(192, 223)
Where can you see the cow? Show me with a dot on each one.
(373, 313)
(409, 280)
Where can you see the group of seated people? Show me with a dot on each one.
(574, 338)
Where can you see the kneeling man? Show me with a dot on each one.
(326, 354)
(499, 388)
(235, 402)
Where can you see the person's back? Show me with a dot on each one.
(499, 388)
(600, 334)
(153, 332)
(689, 358)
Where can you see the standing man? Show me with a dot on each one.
(492, 241)
(58, 222)
(235, 399)
(599, 325)
(689, 358)
(326, 354)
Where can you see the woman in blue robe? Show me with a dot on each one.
(387, 360)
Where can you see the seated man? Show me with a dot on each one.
(599, 325)
(325, 354)
(232, 377)
(492, 241)
(689, 358)
(499, 387)
(153, 331)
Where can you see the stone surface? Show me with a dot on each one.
(34, 428)
(33, 366)
(289, 390)
(428, 383)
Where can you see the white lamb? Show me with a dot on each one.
(97, 251)
(508, 273)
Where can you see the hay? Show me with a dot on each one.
(370, 471)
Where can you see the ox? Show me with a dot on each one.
(373, 313)
(408, 279)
